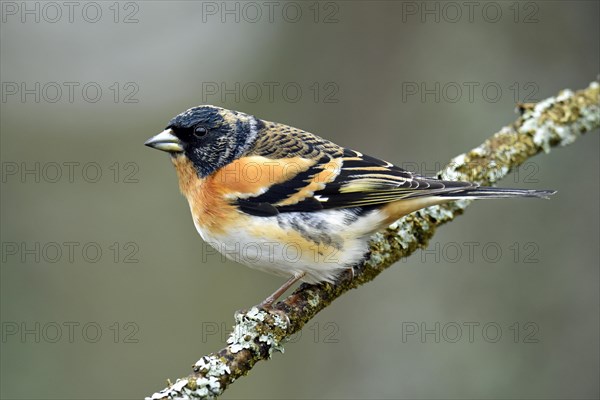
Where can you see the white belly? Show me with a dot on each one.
(319, 244)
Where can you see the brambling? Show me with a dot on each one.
(289, 202)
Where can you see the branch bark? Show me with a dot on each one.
(556, 121)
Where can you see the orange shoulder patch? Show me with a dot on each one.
(251, 176)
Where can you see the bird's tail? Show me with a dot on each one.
(486, 192)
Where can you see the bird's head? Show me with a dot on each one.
(210, 137)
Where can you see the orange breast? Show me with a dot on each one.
(209, 207)
(212, 198)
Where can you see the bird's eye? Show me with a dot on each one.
(200, 131)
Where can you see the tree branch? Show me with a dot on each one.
(556, 121)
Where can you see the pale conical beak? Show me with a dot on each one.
(165, 141)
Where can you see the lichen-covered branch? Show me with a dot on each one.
(556, 121)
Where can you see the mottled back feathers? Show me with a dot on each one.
(338, 178)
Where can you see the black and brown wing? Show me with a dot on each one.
(309, 173)
(327, 176)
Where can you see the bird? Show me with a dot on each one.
(291, 203)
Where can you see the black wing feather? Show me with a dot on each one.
(363, 181)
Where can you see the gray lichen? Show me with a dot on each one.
(206, 386)
(249, 333)
(562, 119)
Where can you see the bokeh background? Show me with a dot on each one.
(518, 317)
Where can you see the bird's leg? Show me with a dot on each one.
(268, 302)
(351, 270)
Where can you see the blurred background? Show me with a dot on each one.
(106, 288)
